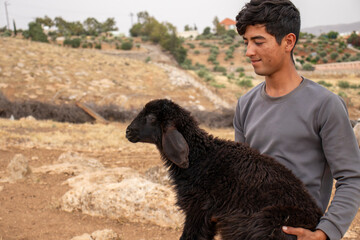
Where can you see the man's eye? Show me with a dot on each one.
(246, 43)
(258, 43)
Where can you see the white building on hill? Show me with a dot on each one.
(188, 34)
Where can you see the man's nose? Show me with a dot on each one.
(249, 50)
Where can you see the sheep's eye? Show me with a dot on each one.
(151, 118)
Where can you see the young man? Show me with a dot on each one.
(299, 123)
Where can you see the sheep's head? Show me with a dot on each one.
(156, 124)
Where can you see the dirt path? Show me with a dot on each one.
(177, 76)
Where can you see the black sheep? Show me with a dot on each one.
(223, 186)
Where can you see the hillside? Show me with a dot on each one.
(54, 74)
(48, 73)
(340, 28)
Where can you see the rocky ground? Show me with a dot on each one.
(86, 181)
(60, 180)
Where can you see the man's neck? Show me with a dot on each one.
(282, 82)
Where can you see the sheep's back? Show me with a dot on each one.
(235, 174)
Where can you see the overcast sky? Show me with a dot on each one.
(180, 13)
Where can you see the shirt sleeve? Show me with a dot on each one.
(343, 156)
(239, 132)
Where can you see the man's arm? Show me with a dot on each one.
(239, 133)
(343, 156)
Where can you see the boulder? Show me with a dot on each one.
(122, 193)
(71, 163)
(106, 234)
(117, 193)
(18, 168)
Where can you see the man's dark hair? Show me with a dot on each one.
(280, 17)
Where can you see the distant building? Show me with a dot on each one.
(188, 34)
(228, 24)
(346, 35)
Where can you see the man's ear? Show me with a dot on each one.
(175, 147)
(289, 41)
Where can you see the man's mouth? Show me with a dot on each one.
(255, 60)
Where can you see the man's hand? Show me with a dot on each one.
(305, 234)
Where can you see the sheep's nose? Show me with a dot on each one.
(128, 132)
(132, 135)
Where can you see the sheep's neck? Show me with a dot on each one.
(199, 143)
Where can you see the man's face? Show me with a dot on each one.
(266, 55)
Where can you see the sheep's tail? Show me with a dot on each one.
(266, 224)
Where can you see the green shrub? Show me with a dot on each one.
(192, 46)
(187, 64)
(216, 85)
(205, 74)
(202, 72)
(334, 55)
(214, 51)
(145, 38)
(240, 69)
(353, 58)
(127, 45)
(343, 84)
(6, 33)
(315, 60)
(342, 94)
(354, 86)
(231, 76)
(74, 43)
(36, 32)
(230, 52)
(199, 66)
(245, 83)
(212, 58)
(179, 53)
(308, 67)
(325, 84)
(301, 61)
(196, 52)
(228, 40)
(219, 68)
(322, 53)
(98, 45)
(231, 33)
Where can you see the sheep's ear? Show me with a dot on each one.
(175, 147)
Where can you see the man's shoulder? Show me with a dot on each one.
(317, 91)
(254, 92)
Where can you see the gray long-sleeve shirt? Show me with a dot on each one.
(308, 131)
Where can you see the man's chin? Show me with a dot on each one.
(259, 72)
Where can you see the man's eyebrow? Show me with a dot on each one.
(255, 37)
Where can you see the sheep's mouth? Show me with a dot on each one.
(134, 138)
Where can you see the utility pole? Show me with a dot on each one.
(131, 15)
(7, 15)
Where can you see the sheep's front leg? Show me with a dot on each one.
(198, 226)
